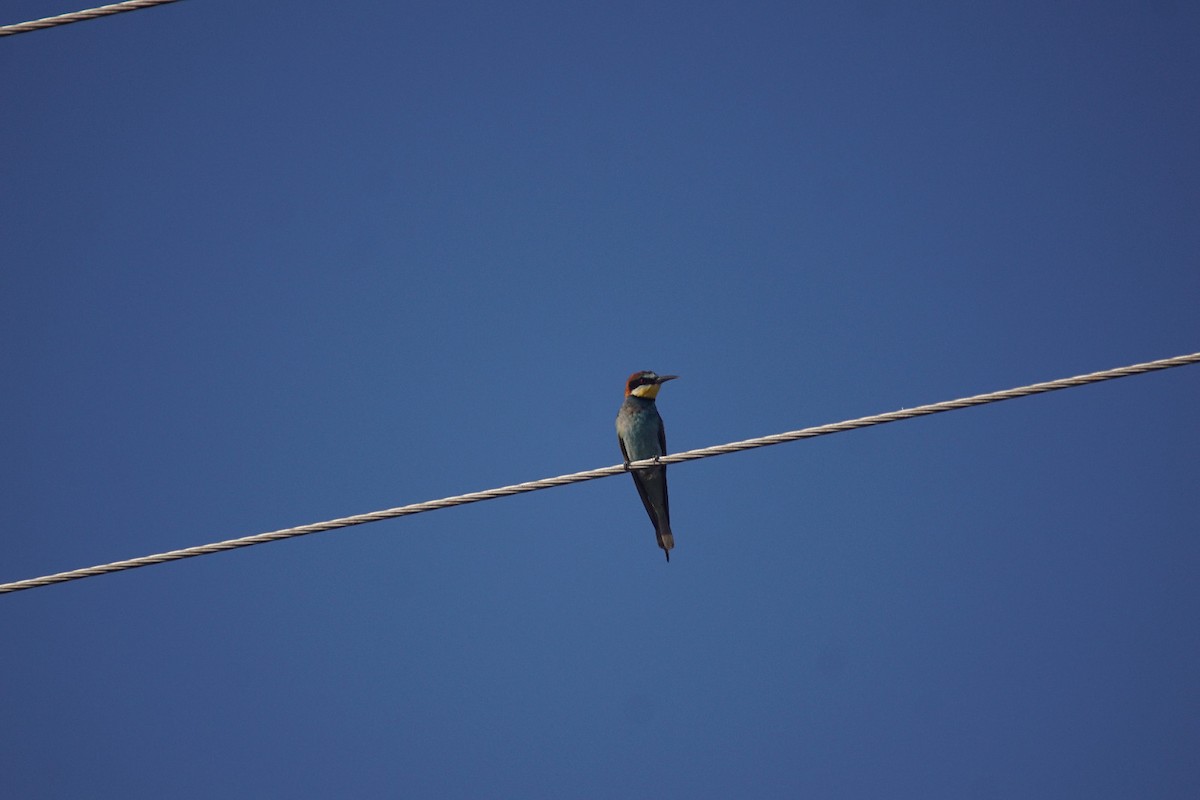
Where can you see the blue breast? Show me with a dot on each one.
(638, 424)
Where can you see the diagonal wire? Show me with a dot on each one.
(603, 472)
(79, 16)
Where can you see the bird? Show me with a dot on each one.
(641, 435)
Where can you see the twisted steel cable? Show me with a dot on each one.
(79, 16)
(603, 472)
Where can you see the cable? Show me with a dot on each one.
(603, 472)
(79, 16)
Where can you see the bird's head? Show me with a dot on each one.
(645, 384)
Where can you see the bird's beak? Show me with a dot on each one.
(665, 378)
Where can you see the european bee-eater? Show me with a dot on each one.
(641, 434)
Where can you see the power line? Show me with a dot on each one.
(603, 472)
(79, 16)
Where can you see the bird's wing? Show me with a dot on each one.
(662, 445)
(637, 481)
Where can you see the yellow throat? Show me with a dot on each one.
(647, 390)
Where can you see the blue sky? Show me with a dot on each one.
(273, 263)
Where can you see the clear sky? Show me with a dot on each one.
(265, 264)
